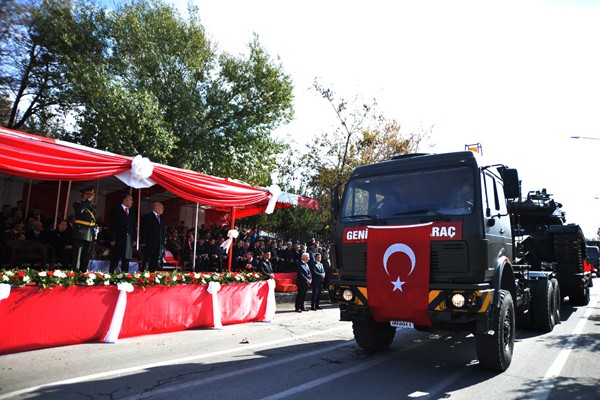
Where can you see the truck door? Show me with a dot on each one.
(496, 220)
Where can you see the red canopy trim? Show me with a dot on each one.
(36, 157)
(206, 189)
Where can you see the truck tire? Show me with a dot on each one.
(544, 306)
(373, 336)
(557, 300)
(495, 351)
(581, 297)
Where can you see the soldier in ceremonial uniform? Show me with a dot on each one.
(83, 229)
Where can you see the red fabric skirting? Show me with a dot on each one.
(33, 318)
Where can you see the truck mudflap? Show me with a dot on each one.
(446, 306)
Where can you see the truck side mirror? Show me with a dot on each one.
(512, 188)
(335, 201)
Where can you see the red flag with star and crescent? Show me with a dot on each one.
(398, 273)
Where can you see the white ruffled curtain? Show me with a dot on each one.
(213, 289)
(117, 320)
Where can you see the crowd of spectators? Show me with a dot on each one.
(15, 225)
(248, 249)
(204, 253)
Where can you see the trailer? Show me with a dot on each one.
(556, 244)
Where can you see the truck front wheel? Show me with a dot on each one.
(495, 350)
(373, 336)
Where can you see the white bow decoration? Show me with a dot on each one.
(4, 291)
(141, 167)
(139, 175)
(231, 235)
(275, 191)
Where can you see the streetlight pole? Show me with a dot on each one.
(585, 137)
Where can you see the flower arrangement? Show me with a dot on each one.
(49, 278)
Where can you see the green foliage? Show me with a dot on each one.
(140, 79)
(247, 100)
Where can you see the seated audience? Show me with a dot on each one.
(62, 243)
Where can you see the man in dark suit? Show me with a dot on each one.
(62, 241)
(215, 255)
(152, 236)
(265, 267)
(303, 281)
(38, 233)
(251, 263)
(318, 274)
(121, 234)
(83, 229)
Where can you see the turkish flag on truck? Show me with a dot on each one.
(398, 273)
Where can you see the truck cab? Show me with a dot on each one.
(473, 273)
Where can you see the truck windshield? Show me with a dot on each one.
(432, 192)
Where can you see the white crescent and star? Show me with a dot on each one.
(399, 248)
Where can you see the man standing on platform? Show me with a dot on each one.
(83, 230)
(152, 236)
(121, 233)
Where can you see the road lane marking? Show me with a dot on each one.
(548, 382)
(309, 385)
(232, 374)
(366, 365)
(124, 371)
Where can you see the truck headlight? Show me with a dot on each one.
(458, 300)
(348, 295)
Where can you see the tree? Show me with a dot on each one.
(142, 80)
(31, 81)
(363, 136)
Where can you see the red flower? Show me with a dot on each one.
(70, 274)
(168, 279)
(179, 277)
(129, 276)
(50, 273)
(21, 273)
(140, 279)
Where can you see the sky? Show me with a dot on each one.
(519, 77)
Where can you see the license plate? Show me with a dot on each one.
(402, 324)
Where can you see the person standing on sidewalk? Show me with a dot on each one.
(303, 281)
(318, 274)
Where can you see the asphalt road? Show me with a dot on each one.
(312, 355)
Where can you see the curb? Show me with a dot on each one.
(290, 297)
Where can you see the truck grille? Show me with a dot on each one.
(449, 257)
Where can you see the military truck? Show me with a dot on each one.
(555, 245)
(477, 277)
